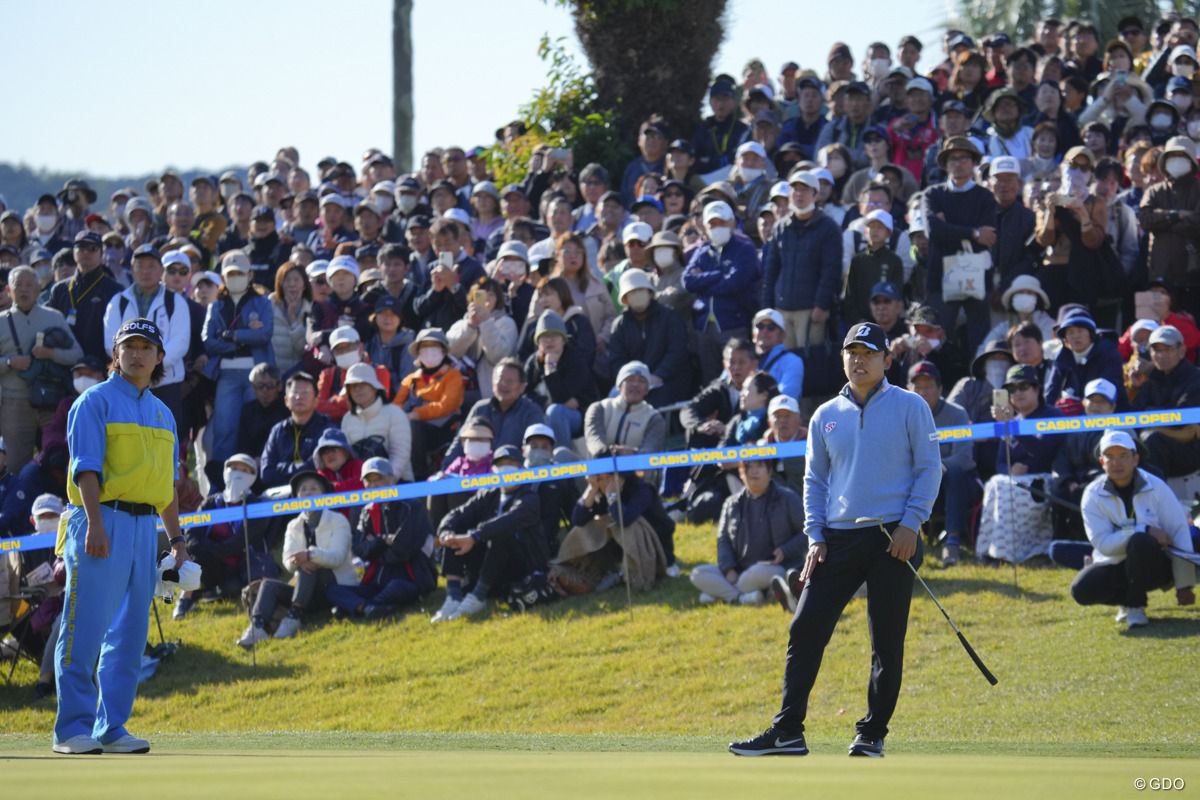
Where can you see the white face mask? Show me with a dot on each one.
(476, 450)
(879, 67)
(1024, 303)
(934, 344)
(1182, 101)
(347, 360)
(996, 371)
(237, 484)
(1184, 70)
(1194, 130)
(44, 274)
(430, 357)
(385, 203)
(836, 167)
(808, 209)
(720, 236)
(751, 175)
(1160, 121)
(236, 284)
(83, 382)
(664, 256)
(1178, 167)
(639, 299)
(406, 203)
(46, 222)
(500, 470)
(46, 524)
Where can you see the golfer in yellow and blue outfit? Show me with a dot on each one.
(123, 466)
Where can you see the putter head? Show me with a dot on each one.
(864, 521)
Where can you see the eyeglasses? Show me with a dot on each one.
(178, 271)
(767, 326)
(320, 282)
(263, 387)
(88, 247)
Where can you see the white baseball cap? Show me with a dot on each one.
(782, 402)
(770, 314)
(752, 147)
(781, 189)
(637, 232)
(881, 216)
(539, 429)
(1005, 165)
(1103, 387)
(717, 210)
(806, 177)
(1113, 438)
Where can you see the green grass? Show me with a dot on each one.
(676, 676)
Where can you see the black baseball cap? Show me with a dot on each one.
(147, 250)
(510, 451)
(887, 289)
(684, 145)
(925, 368)
(869, 334)
(89, 236)
(1022, 373)
(139, 327)
(419, 221)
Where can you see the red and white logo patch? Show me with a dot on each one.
(829, 426)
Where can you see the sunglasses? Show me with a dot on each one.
(179, 271)
(320, 282)
(259, 387)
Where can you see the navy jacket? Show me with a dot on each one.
(517, 521)
(724, 282)
(803, 268)
(716, 142)
(1104, 361)
(659, 340)
(963, 212)
(284, 454)
(89, 296)
(443, 309)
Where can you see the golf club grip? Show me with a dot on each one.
(971, 652)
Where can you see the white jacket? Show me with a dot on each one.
(390, 422)
(494, 339)
(333, 545)
(1153, 504)
(176, 329)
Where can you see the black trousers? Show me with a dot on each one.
(1174, 458)
(1146, 566)
(496, 563)
(308, 593)
(852, 557)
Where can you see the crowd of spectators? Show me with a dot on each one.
(1023, 221)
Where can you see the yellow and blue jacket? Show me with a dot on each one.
(128, 438)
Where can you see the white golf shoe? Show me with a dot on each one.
(252, 635)
(288, 627)
(128, 744)
(1136, 618)
(81, 745)
(1122, 614)
(469, 607)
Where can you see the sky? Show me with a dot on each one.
(134, 87)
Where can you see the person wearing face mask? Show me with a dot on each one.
(557, 379)
(722, 274)
(407, 195)
(347, 349)
(48, 233)
(237, 335)
(649, 332)
(1071, 226)
(974, 393)
(395, 539)
(665, 252)
(1163, 118)
(752, 175)
(220, 549)
(927, 340)
(1024, 301)
(491, 542)
(1170, 213)
(431, 396)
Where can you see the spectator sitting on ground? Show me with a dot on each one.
(787, 425)
(787, 368)
(220, 549)
(1128, 558)
(346, 346)
(316, 547)
(432, 398)
(1174, 384)
(760, 535)
(291, 442)
(374, 426)
(558, 379)
(508, 410)
(1014, 524)
(650, 333)
(490, 542)
(558, 496)
(960, 488)
(1025, 301)
(476, 437)
(1084, 357)
(615, 509)
(626, 423)
(395, 539)
(1077, 462)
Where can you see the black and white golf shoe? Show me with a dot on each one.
(869, 746)
(771, 742)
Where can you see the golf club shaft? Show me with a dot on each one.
(249, 576)
(966, 645)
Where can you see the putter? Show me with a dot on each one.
(864, 521)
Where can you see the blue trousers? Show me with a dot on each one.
(396, 592)
(566, 422)
(233, 390)
(104, 624)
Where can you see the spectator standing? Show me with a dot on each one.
(83, 298)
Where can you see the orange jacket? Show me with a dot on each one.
(436, 395)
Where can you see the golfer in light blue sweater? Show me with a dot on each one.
(873, 453)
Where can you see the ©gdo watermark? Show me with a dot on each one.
(1159, 784)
